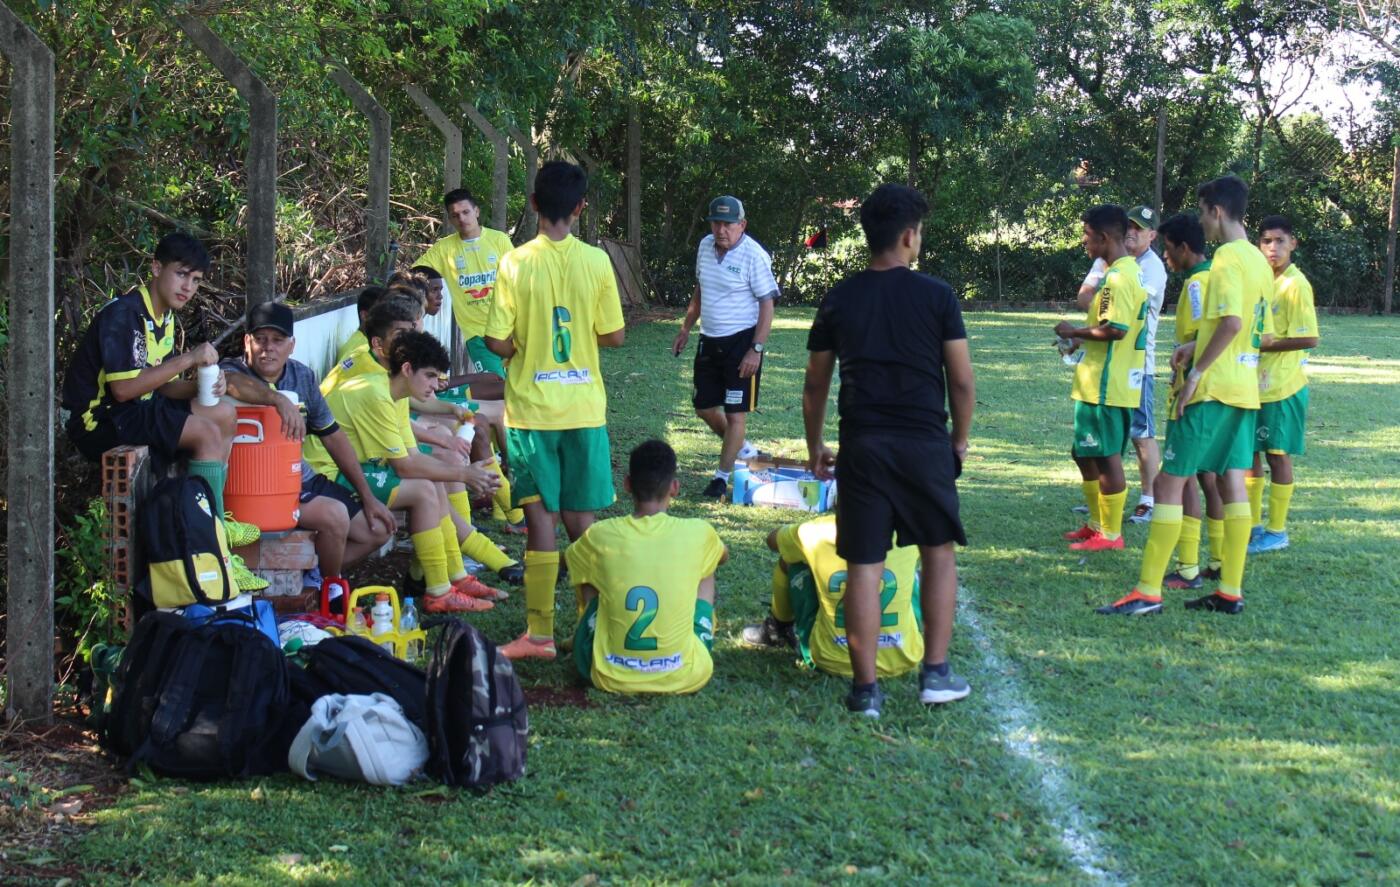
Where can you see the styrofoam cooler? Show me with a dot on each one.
(264, 471)
(782, 488)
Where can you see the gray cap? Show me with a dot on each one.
(725, 209)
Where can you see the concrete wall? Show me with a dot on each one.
(322, 326)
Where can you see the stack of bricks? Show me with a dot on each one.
(280, 558)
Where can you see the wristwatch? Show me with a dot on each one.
(758, 346)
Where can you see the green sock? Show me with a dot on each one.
(213, 472)
(705, 623)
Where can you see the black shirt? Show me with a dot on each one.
(121, 341)
(887, 329)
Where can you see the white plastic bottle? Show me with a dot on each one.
(408, 622)
(466, 431)
(357, 622)
(383, 616)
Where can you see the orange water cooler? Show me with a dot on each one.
(264, 471)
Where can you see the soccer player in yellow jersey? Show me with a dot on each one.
(1213, 426)
(468, 259)
(1107, 378)
(555, 306)
(1283, 386)
(368, 298)
(647, 585)
(809, 586)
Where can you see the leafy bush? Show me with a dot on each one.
(86, 597)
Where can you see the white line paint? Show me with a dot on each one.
(1019, 724)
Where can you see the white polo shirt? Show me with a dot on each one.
(1152, 274)
(732, 287)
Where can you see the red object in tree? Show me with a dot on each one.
(817, 240)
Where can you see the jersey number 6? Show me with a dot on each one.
(563, 341)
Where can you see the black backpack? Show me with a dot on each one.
(144, 665)
(353, 665)
(478, 728)
(225, 707)
(183, 546)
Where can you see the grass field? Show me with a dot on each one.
(1181, 749)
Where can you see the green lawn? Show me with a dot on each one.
(1185, 748)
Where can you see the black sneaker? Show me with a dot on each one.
(1216, 604)
(717, 488)
(865, 703)
(1132, 604)
(1175, 580)
(772, 632)
(512, 574)
(1211, 573)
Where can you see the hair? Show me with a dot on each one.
(888, 212)
(387, 313)
(1229, 193)
(559, 187)
(457, 195)
(182, 249)
(1276, 223)
(1109, 219)
(369, 297)
(427, 271)
(409, 283)
(1185, 228)
(420, 351)
(650, 469)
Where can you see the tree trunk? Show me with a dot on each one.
(1388, 290)
(634, 175)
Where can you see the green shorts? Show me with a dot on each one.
(1100, 431)
(588, 628)
(481, 359)
(383, 480)
(802, 592)
(1281, 425)
(1210, 436)
(567, 470)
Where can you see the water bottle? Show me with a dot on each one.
(409, 622)
(383, 616)
(467, 431)
(357, 622)
(207, 376)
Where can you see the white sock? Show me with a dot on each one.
(722, 475)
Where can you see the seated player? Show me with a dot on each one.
(363, 395)
(369, 297)
(427, 286)
(809, 585)
(349, 525)
(124, 385)
(647, 586)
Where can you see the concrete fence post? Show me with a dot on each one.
(593, 210)
(451, 134)
(377, 268)
(500, 169)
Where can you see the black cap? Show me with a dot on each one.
(271, 314)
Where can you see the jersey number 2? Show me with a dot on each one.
(889, 586)
(645, 599)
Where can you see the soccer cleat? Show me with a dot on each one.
(716, 489)
(519, 529)
(1255, 532)
(454, 602)
(1098, 542)
(1175, 580)
(866, 703)
(1081, 508)
(1268, 541)
(244, 578)
(1141, 515)
(1134, 603)
(238, 533)
(472, 587)
(512, 574)
(1216, 604)
(526, 647)
(1081, 534)
(1211, 573)
(936, 689)
(771, 632)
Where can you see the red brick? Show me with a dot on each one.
(295, 550)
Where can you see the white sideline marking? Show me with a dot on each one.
(1018, 722)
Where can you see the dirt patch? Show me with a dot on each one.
(558, 697)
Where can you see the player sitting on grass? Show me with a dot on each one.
(123, 385)
(646, 583)
(809, 585)
(1283, 386)
(1107, 378)
(364, 393)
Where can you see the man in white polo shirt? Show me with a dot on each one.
(733, 300)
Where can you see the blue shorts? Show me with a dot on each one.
(1144, 423)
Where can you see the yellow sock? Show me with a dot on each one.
(500, 500)
(1162, 534)
(462, 504)
(1254, 486)
(541, 574)
(1111, 513)
(1237, 524)
(1215, 532)
(1091, 499)
(479, 548)
(1188, 547)
(451, 554)
(428, 546)
(1280, 497)
(782, 595)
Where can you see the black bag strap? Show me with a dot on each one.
(175, 708)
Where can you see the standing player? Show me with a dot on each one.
(1283, 386)
(1213, 429)
(1107, 379)
(733, 300)
(900, 339)
(556, 304)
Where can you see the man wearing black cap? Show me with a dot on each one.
(348, 526)
(733, 300)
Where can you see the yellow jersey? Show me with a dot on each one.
(469, 267)
(646, 571)
(357, 391)
(823, 636)
(1282, 374)
(554, 298)
(348, 348)
(1110, 373)
(1190, 306)
(1240, 285)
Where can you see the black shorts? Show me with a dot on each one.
(319, 486)
(717, 381)
(895, 485)
(156, 422)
